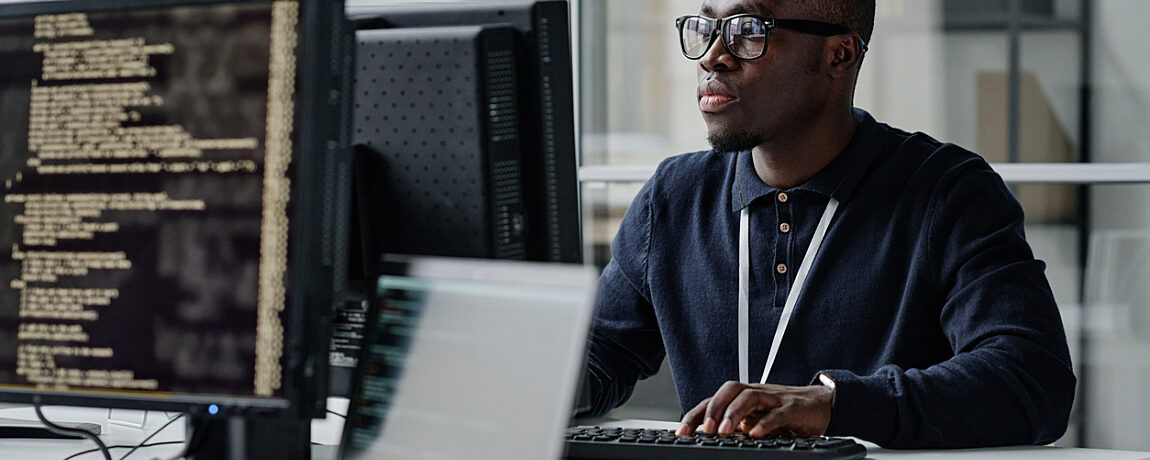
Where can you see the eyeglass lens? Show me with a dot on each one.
(744, 36)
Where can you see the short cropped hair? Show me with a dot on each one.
(856, 15)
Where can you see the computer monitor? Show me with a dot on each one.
(544, 108)
(172, 175)
(464, 137)
(488, 351)
(437, 134)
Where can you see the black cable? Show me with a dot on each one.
(163, 443)
(154, 433)
(337, 413)
(193, 443)
(72, 432)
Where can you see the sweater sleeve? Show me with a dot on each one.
(1009, 380)
(625, 344)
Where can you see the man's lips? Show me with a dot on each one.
(714, 102)
(714, 96)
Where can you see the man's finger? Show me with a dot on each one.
(770, 422)
(749, 405)
(692, 419)
(717, 408)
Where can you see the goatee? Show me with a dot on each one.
(733, 142)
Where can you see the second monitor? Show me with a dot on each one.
(437, 128)
(464, 125)
(522, 91)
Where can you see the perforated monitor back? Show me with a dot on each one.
(547, 134)
(436, 111)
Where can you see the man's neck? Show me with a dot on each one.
(791, 160)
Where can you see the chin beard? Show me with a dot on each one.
(731, 143)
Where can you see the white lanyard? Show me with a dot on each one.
(792, 297)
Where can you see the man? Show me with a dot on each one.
(925, 320)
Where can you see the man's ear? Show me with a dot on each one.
(845, 53)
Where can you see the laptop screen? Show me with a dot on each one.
(470, 359)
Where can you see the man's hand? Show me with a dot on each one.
(762, 409)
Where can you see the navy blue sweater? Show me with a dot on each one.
(925, 303)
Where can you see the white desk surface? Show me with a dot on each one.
(326, 432)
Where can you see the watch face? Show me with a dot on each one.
(827, 380)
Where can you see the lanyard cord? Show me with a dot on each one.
(792, 297)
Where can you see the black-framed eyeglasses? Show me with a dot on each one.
(744, 35)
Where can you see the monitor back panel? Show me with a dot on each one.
(436, 125)
(547, 123)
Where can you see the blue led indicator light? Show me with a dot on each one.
(213, 409)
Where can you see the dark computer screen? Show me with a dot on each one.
(169, 176)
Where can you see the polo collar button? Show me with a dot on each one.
(782, 269)
(783, 197)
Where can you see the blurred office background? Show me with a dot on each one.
(1055, 93)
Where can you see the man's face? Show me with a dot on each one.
(749, 103)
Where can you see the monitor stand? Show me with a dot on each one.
(249, 437)
(32, 429)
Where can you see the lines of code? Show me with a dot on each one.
(388, 347)
(144, 158)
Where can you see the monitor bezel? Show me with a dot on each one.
(313, 177)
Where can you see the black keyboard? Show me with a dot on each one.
(595, 443)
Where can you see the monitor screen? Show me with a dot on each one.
(488, 351)
(163, 212)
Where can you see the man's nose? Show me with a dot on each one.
(717, 57)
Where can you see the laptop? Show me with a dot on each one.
(470, 359)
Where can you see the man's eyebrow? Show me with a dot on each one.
(738, 8)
